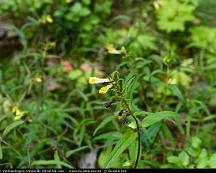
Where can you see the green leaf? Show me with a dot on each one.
(86, 2)
(133, 151)
(203, 154)
(1, 155)
(51, 162)
(148, 135)
(184, 158)
(143, 113)
(126, 140)
(69, 153)
(127, 164)
(104, 155)
(106, 136)
(146, 42)
(202, 164)
(75, 74)
(212, 161)
(129, 85)
(174, 19)
(57, 158)
(210, 117)
(196, 142)
(103, 123)
(177, 92)
(173, 159)
(193, 152)
(12, 126)
(202, 36)
(3, 117)
(153, 118)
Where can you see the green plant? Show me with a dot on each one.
(174, 19)
(194, 156)
(123, 97)
(162, 53)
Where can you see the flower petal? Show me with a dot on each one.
(104, 90)
(93, 80)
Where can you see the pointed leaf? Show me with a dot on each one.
(69, 153)
(184, 158)
(12, 126)
(103, 123)
(126, 140)
(1, 155)
(51, 162)
(153, 118)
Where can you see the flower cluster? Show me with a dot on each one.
(103, 90)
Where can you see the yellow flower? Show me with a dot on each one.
(104, 90)
(51, 44)
(123, 50)
(112, 50)
(17, 112)
(14, 109)
(17, 117)
(157, 4)
(47, 19)
(68, 1)
(37, 79)
(93, 80)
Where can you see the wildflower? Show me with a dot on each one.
(123, 50)
(112, 50)
(157, 4)
(17, 117)
(93, 80)
(17, 112)
(104, 90)
(51, 44)
(68, 1)
(37, 79)
(47, 19)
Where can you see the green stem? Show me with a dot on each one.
(139, 141)
(138, 133)
(137, 124)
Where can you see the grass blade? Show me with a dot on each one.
(51, 162)
(69, 153)
(1, 155)
(11, 127)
